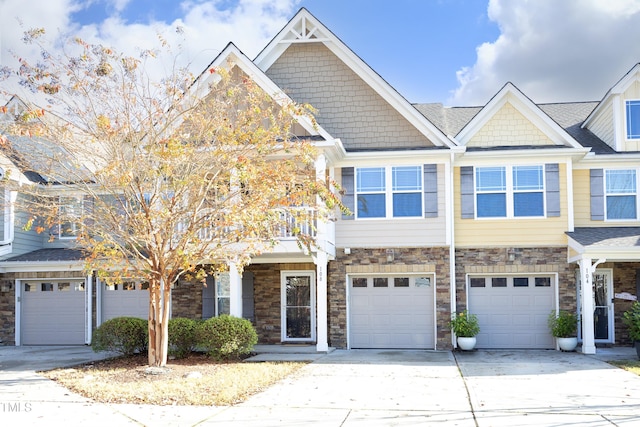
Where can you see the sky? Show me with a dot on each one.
(456, 52)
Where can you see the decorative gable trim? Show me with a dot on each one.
(306, 28)
(512, 95)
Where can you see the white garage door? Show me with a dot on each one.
(513, 311)
(53, 312)
(129, 299)
(392, 312)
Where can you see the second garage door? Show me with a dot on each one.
(392, 312)
(513, 311)
(125, 299)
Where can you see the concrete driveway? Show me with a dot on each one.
(366, 387)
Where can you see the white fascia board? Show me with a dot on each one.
(511, 94)
(608, 161)
(622, 85)
(332, 149)
(35, 266)
(400, 156)
(631, 253)
(555, 155)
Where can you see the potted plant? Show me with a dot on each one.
(631, 318)
(465, 326)
(564, 326)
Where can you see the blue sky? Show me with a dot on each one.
(458, 52)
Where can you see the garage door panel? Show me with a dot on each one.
(55, 316)
(128, 299)
(396, 317)
(513, 317)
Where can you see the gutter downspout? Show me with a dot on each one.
(452, 248)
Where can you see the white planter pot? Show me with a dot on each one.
(466, 343)
(568, 344)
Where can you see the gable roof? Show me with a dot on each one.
(231, 55)
(512, 95)
(569, 116)
(623, 84)
(306, 28)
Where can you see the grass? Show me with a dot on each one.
(195, 380)
(628, 365)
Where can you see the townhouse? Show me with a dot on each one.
(511, 210)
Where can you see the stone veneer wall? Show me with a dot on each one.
(371, 261)
(493, 261)
(186, 299)
(266, 296)
(7, 313)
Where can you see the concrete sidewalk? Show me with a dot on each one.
(364, 387)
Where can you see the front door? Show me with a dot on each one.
(298, 306)
(603, 308)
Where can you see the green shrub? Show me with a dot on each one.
(182, 336)
(126, 335)
(563, 325)
(226, 337)
(631, 318)
(465, 325)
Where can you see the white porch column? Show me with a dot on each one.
(321, 260)
(586, 279)
(321, 301)
(235, 291)
(89, 308)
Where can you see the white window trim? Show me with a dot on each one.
(388, 193)
(509, 191)
(626, 120)
(636, 194)
(80, 201)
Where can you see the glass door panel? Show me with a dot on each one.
(602, 306)
(298, 307)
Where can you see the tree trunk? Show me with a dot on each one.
(159, 300)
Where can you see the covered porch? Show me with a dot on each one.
(608, 281)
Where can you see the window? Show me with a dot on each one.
(491, 192)
(503, 192)
(359, 282)
(528, 188)
(223, 293)
(69, 216)
(520, 282)
(407, 191)
(477, 282)
(498, 282)
(380, 282)
(385, 192)
(401, 282)
(633, 119)
(621, 200)
(371, 193)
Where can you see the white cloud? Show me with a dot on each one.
(208, 26)
(554, 51)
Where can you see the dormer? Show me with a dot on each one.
(616, 119)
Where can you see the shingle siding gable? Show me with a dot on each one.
(347, 107)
